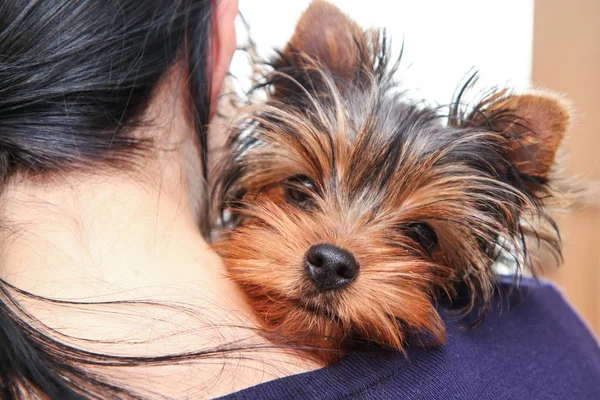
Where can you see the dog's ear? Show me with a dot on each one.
(328, 36)
(535, 125)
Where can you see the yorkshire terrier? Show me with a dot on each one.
(347, 212)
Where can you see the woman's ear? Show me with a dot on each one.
(535, 125)
(223, 44)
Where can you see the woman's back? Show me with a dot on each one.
(530, 346)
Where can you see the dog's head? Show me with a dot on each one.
(351, 209)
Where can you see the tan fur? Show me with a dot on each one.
(327, 34)
(540, 122)
(378, 165)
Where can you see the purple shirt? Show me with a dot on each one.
(532, 347)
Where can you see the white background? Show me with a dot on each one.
(443, 39)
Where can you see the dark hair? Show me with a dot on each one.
(75, 77)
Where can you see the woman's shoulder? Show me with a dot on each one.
(532, 345)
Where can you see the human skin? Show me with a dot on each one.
(131, 235)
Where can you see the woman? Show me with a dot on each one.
(103, 115)
(109, 289)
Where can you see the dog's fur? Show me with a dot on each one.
(422, 200)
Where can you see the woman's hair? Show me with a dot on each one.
(75, 77)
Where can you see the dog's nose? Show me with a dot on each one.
(330, 267)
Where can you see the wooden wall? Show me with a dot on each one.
(566, 59)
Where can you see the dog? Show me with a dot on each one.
(347, 212)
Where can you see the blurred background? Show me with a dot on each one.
(552, 44)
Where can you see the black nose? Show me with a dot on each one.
(330, 267)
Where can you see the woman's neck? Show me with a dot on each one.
(132, 237)
(115, 229)
(109, 235)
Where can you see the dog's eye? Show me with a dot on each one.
(297, 191)
(424, 234)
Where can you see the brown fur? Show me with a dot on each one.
(324, 31)
(539, 122)
(378, 165)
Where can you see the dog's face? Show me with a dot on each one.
(351, 209)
